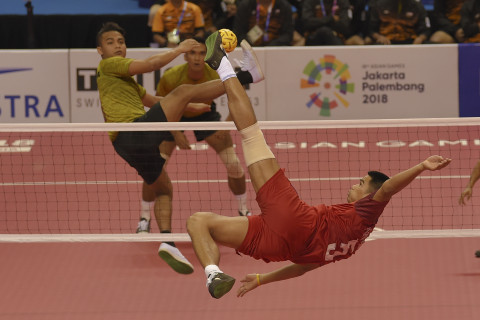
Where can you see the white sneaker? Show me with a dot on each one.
(250, 62)
(143, 226)
(244, 213)
(175, 259)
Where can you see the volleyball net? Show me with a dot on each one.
(64, 182)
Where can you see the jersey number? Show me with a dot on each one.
(344, 249)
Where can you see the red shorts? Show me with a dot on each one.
(285, 225)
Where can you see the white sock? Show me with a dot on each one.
(225, 70)
(146, 208)
(242, 202)
(211, 268)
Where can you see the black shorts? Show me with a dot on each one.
(200, 135)
(140, 148)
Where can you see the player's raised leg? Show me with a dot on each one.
(177, 101)
(206, 229)
(261, 162)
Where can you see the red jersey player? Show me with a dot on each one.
(287, 228)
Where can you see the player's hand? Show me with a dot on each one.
(248, 284)
(436, 163)
(466, 195)
(182, 141)
(187, 45)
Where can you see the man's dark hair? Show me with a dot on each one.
(378, 179)
(199, 39)
(109, 26)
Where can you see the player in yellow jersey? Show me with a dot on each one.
(123, 100)
(196, 71)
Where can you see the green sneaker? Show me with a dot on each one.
(219, 284)
(215, 51)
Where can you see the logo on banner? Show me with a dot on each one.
(21, 105)
(8, 70)
(86, 79)
(330, 78)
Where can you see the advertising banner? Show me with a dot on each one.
(34, 86)
(370, 82)
(362, 82)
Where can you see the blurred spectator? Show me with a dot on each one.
(264, 22)
(470, 20)
(225, 19)
(298, 38)
(446, 19)
(359, 23)
(153, 11)
(176, 21)
(398, 22)
(210, 9)
(326, 22)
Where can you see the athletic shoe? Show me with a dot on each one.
(175, 259)
(143, 226)
(250, 62)
(219, 284)
(244, 214)
(215, 51)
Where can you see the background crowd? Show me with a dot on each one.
(317, 22)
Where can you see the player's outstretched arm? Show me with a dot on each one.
(252, 281)
(403, 179)
(467, 192)
(157, 61)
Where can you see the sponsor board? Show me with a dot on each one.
(34, 86)
(363, 83)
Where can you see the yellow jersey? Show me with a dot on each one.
(120, 95)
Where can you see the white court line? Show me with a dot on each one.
(184, 237)
(111, 182)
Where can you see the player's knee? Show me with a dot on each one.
(235, 170)
(191, 222)
(231, 162)
(162, 189)
(254, 146)
(196, 220)
(183, 90)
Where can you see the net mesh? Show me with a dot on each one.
(67, 179)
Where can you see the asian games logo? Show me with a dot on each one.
(330, 78)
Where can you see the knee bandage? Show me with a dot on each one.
(230, 159)
(254, 146)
